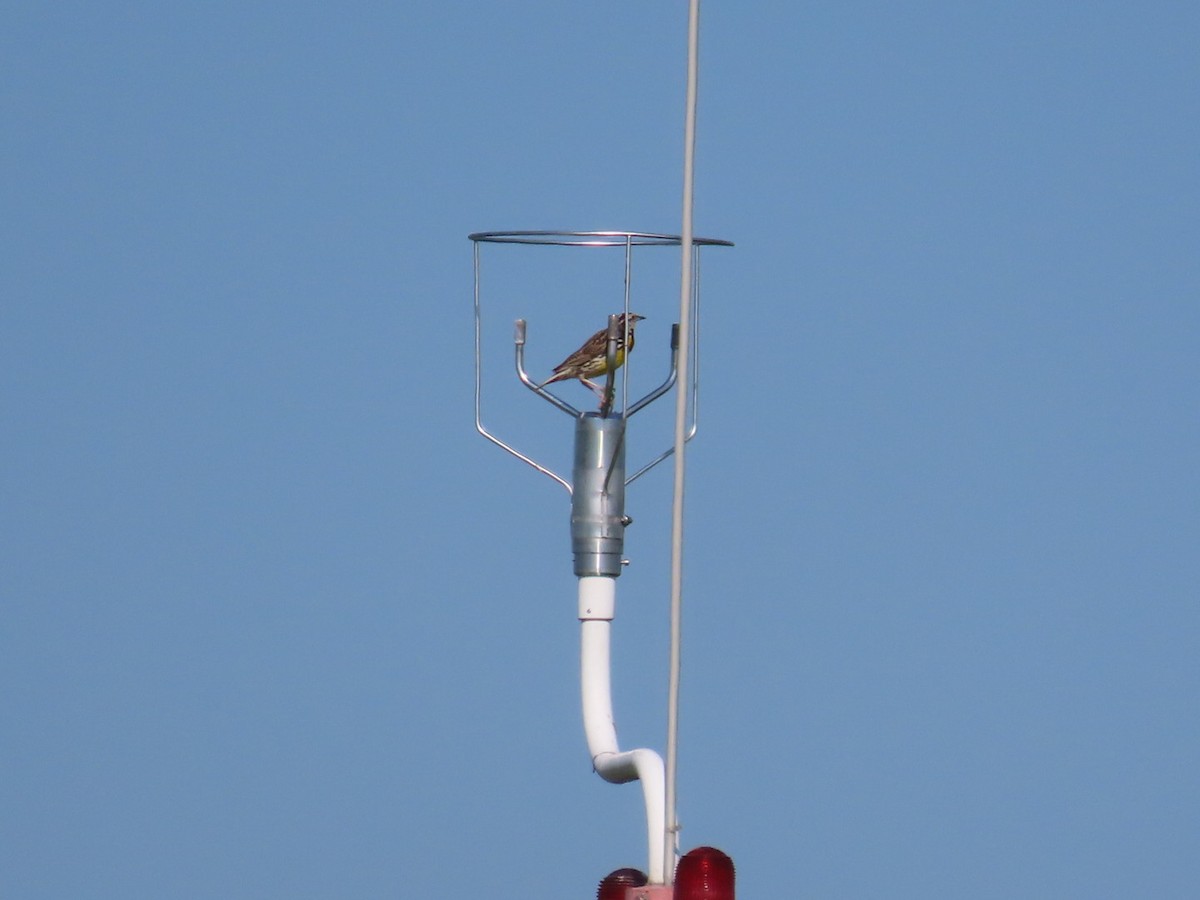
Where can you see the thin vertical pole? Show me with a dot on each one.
(625, 309)
(671, 832)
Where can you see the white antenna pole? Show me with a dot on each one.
(671, 832)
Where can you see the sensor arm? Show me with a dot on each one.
(519, 343)
(671, 376)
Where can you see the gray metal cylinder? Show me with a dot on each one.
(598, 495)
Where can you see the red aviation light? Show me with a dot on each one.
(704, 874)
(612, 887)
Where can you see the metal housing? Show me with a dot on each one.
(598, 496)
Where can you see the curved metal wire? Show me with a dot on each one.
(479, 426)
(693, 377)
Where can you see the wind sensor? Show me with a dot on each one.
(598, 520)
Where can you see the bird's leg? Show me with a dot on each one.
(606, 394)
(595, 388)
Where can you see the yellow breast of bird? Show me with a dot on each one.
(599, 365)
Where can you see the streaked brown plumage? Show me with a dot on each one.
(591, 359)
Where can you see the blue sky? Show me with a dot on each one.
(277, 623)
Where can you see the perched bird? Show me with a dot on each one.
(591, 360)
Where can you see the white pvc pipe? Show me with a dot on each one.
(597, 606)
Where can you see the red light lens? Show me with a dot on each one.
(704, 874)
(614, 884)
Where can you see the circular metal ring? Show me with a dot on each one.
(591, 238)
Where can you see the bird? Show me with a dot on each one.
(591, 359)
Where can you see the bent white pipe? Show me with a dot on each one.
(597, 607)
